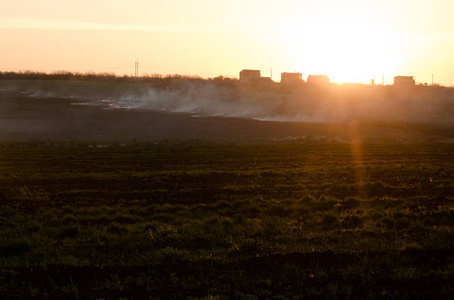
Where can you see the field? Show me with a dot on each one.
(220, 208)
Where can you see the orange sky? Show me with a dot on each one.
(348, 40)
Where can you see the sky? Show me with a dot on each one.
(348, 40)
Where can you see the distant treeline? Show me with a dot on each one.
(177, 81)
(105, 76)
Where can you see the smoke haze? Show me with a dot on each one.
(334, 104)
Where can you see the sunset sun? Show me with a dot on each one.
(347, 50)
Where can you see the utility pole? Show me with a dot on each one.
(136, 70)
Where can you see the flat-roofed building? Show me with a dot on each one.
(249, 75)
(318, 79)
(291, 78)
(404, 80)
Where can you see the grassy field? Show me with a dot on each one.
(218, 220)
(130, 190)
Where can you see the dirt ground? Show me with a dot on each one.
(25, 118)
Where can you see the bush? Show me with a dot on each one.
(375, 188)
(163, 235)
(340, 191)
(330, 221)
(70, 231)
(250, 210)
(250, 246)
(276, 210)
(222, 204)
(95, 220)
(402, 223)
(386, 222)
(34, 228)
(115, 228)
(67, 210)
(429, 221)
(350, 203)
(68, 219)
(351, 222)
(16, 248)
(126, 219)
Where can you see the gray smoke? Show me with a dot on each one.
(334, 104)
(337, 104)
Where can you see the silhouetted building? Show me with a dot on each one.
(404, 80)
(249, 75)
(291, 78)
(318, 79)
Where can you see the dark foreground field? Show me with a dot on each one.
(110, 203)
(257, 221)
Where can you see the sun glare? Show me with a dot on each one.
(346, 50)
